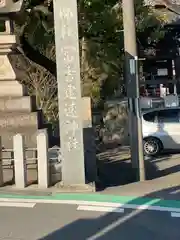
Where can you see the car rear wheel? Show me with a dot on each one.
(152, 146)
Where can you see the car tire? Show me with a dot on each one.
(152, 146)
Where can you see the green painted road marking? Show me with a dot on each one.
(100, 198)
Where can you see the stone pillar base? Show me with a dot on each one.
(75, 188)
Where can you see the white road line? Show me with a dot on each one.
(147, 206)
(100, 209)
(175, 214)
(17, 204)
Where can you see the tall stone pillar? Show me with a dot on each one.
(69, 92)
(72, 135)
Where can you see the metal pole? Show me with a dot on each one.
(132, 81)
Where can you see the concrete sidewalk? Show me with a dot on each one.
(118, 178)
(167, 187)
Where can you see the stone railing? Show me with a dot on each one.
(45, 164)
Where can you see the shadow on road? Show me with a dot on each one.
(116, 173)
(136, 222)
(133, 224)
(115, 169)
(114, 163)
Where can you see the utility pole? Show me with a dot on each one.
(132, 83)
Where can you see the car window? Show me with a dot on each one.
(169, 116)
(150, 117)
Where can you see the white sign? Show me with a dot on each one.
(162, 72)
(162, 91)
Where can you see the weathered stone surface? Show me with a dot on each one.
(6, 70)
(18, 120)
(28, 132)
(7, 40)
(86, 112)
(115, 122)
(17, 114)
(69, 94)
(12, 88)
(17, 104)
(10, 6)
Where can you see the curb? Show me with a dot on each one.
(98, 198)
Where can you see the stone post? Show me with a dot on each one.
(69, 92)
(19, 161)
(42, 157)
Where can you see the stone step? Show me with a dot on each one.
(13, 120)
(17, 104)
(12, 88)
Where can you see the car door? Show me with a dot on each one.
(169, 127)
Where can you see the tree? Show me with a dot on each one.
(100, 38)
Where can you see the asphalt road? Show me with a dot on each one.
(66, 222)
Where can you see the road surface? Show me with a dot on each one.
(39, 221)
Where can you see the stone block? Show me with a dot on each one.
(86, 112)
(12, 88)
(30, 143)
(26, 124)
(17, 104)
(9, 39)
(19, 120)
(29, 134)
(115, 122)
(6, 70)
(11, 6)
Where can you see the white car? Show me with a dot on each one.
(161, 130)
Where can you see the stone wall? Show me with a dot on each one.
(115, 118)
